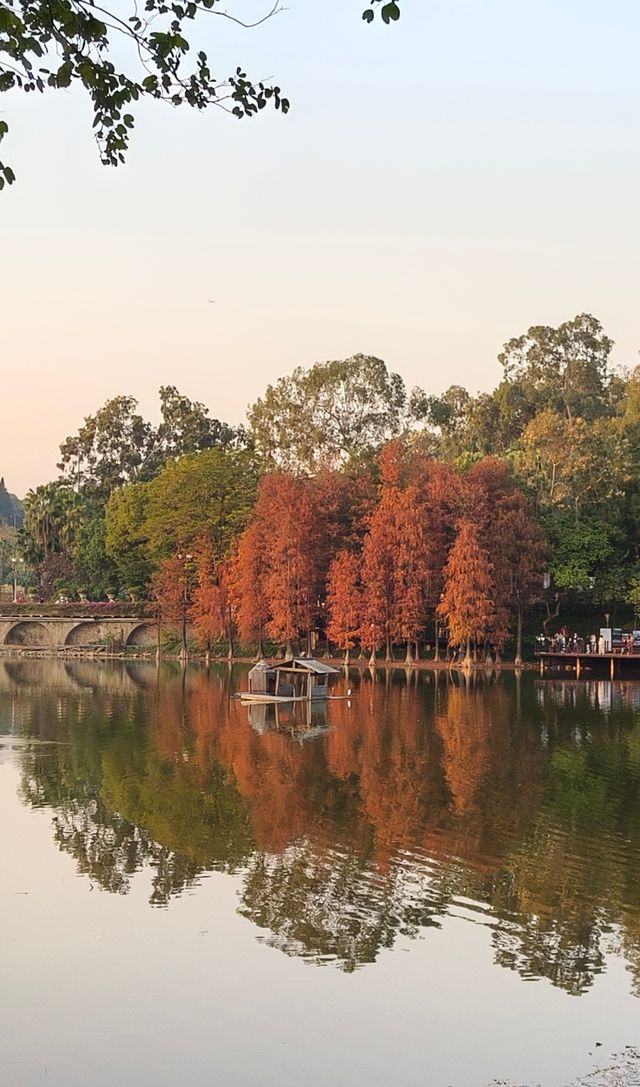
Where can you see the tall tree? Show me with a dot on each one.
(187, 427)
(344, 596)
(467, 601)
(247, 585)
(210, 610)
(126, 539)
(172, 588)
(514, 543)
(564, 368)
(211, 493)
(281, 559)
(111, 448)
(404, 549)
(328, 415)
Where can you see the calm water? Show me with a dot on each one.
(434, 884)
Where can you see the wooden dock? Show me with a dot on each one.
(616, 664)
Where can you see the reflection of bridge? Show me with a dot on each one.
(48, 632)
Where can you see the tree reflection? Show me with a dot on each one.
(425, 796)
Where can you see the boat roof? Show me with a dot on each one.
(306, 664)
(260, 667)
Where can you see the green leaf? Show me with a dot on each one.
(63, 75)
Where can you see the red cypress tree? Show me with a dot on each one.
(514, 542)
(171, 588)
(344, 601)
(210, 609)
(403, 551)
(247, 586)
(467, 601)
(290, 555)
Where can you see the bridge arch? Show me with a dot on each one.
(144, 633)
(90, 632)
(28, 633)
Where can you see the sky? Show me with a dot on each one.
(438, 186)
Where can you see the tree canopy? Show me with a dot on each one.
(48, 45)
(329, 414)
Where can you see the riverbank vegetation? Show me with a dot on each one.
(352, 509)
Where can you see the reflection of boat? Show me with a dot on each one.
(246, 696)
(301, 718)
(298, 680)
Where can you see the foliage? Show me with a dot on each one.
(52, 46)
(202, 494)
(210, 608)
(389, 11)
(578, 549)
(117, 446)
(111, 448)
(126, 540)
(344, 600)
(10, 506)
(467, 604)
(346, 497)
(328, 415)
(564, 369)
(247, 584)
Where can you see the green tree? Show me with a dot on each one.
(94, 572)
(112, 447)
(117, 446)
(571, 462)
(50, 520)
(565, 368)
(329, 414)
(187, 427)
(202, 496)
(126, 538)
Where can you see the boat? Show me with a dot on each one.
(299, 679)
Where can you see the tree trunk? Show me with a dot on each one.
(346, 657)
(518, 656)
(388, 655)
(408, 657)
(436, 648)
(467, 659)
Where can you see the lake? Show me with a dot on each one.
(435, 882)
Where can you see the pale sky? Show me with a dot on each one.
(438, 187)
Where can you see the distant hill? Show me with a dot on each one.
(10, 506)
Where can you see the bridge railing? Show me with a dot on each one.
(118, 609)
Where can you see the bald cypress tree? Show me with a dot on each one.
(467, 604)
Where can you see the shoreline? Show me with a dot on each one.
(423, 664)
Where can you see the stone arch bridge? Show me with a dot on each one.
(43, 632)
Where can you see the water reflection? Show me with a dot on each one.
(514, 803)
